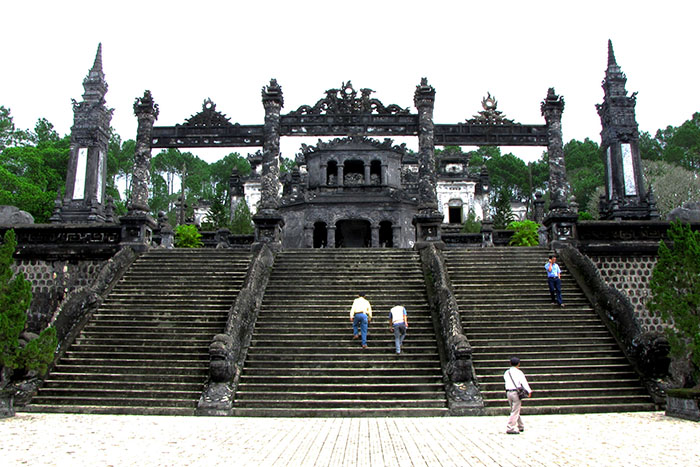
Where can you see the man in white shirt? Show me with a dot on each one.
(515, 379)
(399, 322)
(360, 317)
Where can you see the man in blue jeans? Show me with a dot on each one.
(554, 279)
(360, 316)
(399, 323)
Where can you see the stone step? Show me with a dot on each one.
(116, 401)
(103, 409)
(132, 378)
(344, 396)
(340, 412)
(319, 403)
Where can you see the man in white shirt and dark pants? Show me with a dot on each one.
(514, 379)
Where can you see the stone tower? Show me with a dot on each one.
(84, 200)
(625, 194)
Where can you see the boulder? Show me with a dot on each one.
(11, 215)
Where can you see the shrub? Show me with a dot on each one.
(675, 293)
(525, 233)
(471, 224)
(15, 298)
(187, 236)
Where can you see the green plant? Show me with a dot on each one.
(471, 224)
(242, 222)
(525, 233)
(503, 214)
(15, 298)
(675, 293)
(187, 236)
(585, 216)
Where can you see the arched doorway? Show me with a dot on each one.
(320, 235)
(454, 214)
(386, 234)
(353, 233)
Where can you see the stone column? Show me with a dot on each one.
(146, 112)
(341, 174)
(560, 220)
(383, 175)
(552, 108)
(330, 239)
(138, 224)
(375, 236)
(428, 219)
(268, 221)
(367, 174)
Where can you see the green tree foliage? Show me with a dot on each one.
(678, 145)
(503, 213)
(15, 298)
(471, 223)
(525, 233)
(33, 173)
(187, 236)
(9, 135)
(242, 222)
(585, 169)
(675, 293)
(673, 185)
(218, 216)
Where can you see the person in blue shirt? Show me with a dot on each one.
(554, 279)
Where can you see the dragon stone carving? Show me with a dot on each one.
(345, 101)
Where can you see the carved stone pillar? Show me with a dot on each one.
(308, 236)
(625, 193)
(268, 221)
(383, 175)
(560, 220)
(367, 175)
(428, 219)
(86, 178)
(552, 108)
(138, 224)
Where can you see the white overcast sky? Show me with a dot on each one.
(186, 51)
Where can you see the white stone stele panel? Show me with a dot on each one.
(100, 172)
(80, 174)
(608, 154)
(628, 169)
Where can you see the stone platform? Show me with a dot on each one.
(628, 439)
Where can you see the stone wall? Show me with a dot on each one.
(631, 275)
(51, 282)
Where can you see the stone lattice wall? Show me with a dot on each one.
(630, 275)
(51, 282)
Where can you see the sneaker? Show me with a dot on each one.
(364, 346)
(521, 430)
(512, 432)
(356, 336)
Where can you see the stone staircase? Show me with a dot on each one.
(303, 361)
(572, 362)
(145, 350)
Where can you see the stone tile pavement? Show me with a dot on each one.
(644, 439)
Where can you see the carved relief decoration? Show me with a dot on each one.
(490, 115)
(345, 101)
(209, 117)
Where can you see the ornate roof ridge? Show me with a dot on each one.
(386, 145)
(345, 100)
(208, 117)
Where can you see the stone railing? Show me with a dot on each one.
(228, 350)
(59, 241)
(622, 237)
(476, 240)
(647, 351)
(463, 395)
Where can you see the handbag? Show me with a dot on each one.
(522, 392)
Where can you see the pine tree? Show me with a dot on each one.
(242, 222)
(471, 224)
(675, 293)
(503, 215)
(15, 298)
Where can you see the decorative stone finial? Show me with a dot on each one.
(146, 105)
(273, 93)
(611, 54)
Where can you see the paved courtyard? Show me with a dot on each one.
(644, 439)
